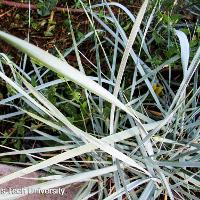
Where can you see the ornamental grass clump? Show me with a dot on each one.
(136, 137)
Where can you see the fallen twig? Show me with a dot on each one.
(6, 13)
(34, 7)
